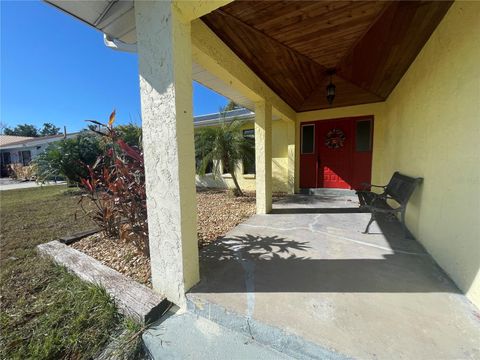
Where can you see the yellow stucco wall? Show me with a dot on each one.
(432, 129)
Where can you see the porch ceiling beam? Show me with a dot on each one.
(216, 57)
(391, 44)
(194, 9)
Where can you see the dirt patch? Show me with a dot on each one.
(219, 211)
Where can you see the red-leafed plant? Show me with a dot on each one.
(116, 186)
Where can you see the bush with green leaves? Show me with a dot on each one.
(130, 133)
(67, 158)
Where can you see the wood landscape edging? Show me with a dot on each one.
(132, 298)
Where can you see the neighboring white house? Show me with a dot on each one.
(22, 150)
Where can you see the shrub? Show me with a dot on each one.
(131, 134)
(116, 185)
(67, 158)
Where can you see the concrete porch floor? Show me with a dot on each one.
(305, 281)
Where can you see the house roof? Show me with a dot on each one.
(113, 18)
(216, 118)
(11, 139)
(22, 141)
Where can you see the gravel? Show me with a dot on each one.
(219, 211)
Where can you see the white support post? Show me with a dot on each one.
(263, 156)
(165, 66)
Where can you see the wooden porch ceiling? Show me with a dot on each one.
(290, 45)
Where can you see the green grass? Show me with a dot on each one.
(47, 313)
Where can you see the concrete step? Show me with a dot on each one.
(327, 192)
(189, 336)
(278, 339)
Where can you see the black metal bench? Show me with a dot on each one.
(399, 189)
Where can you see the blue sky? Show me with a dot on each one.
(57, 69)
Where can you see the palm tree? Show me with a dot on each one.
(226, 145)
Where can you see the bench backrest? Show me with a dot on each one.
(401, 187)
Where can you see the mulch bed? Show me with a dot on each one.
(219, 211)
(119, 255)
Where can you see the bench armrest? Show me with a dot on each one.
(379, 186)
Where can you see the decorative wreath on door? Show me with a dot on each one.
(335, 139)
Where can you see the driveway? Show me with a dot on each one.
(10, 184)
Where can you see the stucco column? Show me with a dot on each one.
(291, 138)
(263, 156)
(297, 156)
(165, 66)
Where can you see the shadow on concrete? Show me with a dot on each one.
(307, 210)
(253, 263)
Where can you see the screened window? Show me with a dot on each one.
(6, 159)
(308, 139)
(249, 165)
(26, 157)
(363, 135)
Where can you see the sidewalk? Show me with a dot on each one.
(10, 184)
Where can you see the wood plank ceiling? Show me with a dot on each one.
(290, 45)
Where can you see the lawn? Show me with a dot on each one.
(46, 312)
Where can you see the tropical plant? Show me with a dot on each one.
(115, 184)
(131, 134)
(225, 145)
(67, 158)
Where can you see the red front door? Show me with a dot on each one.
(336, 153)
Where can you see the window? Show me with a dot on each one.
(6, 159)
(25, 157)
(249, 134)
(249, 166)
(363, 135)
(308, 139)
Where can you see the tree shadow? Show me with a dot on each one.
(265, 263)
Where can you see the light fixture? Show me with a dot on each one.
(330, 87)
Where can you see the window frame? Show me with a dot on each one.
(23, 158)
(370, 143)
(249, 134)
(301, 139)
